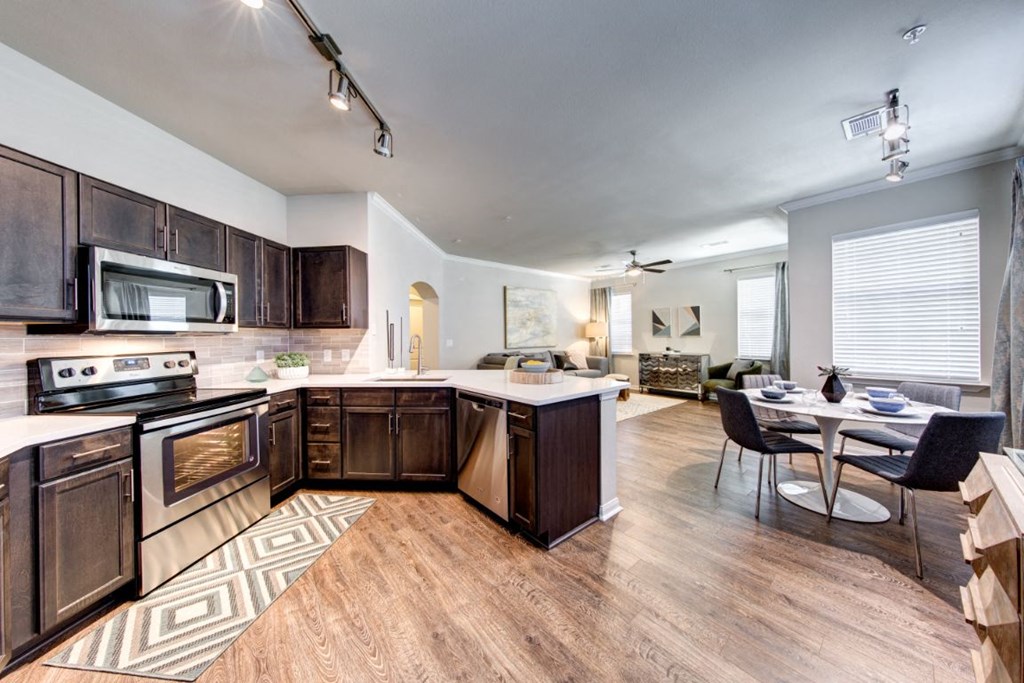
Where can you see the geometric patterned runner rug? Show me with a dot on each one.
(641, 404)
(179, 629)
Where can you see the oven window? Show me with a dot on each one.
(202, 459)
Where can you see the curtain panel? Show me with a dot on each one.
(1008, 356)
(600, 308)
(780, 332)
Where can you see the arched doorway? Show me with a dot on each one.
(425, 320)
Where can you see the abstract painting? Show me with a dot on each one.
(661, 322)
(689, 321)
(530, 316)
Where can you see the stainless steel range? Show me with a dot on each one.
(200, 454)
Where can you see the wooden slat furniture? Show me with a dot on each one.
(675, 372)
(994, 494)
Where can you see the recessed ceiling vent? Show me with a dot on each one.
(862, 125)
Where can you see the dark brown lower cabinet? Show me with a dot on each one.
(285, 469)
(5, 567)
(367, 444)
(423, 447)
(86, 540)
(522, 473)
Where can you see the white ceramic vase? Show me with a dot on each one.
(293, 373)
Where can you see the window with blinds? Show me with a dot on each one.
(621, 324)
(755, 315)
(906, 301)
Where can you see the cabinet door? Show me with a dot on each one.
(284, 451)
(368, 450)
(277, 285)
(38, 217)
(194, 239)
(321, 286)
(423, 447)
(5, 592)
(522, 446)
(86, 540)
(113, 217)
(244, 261)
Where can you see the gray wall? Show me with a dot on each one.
(986, 189)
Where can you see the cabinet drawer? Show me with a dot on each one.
(286, 400)
(370, 397)
(323, 424)
(422, 398)
(323, 461)
(62, 457)
(323, 397)
(522, 415)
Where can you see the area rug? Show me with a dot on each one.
(178, 630)
(641, 404)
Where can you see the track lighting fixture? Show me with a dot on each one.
(893, 149)
(895, 118)
(382, 142)
(339, 97)
(896, 169)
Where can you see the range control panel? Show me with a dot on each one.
(85, 371)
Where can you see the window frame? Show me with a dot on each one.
(766, 272)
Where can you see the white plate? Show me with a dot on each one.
(774, 400)
(906, 412)
(862, 396)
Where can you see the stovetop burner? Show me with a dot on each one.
(179, 403)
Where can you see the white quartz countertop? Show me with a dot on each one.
(30, 430)
(493, 383)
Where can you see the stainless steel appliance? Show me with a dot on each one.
(482, 443)
(132, 293)
(200, 454)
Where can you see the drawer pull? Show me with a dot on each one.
(315, 398)
(319, 462)
(518, 416)
(286, 404)
(76, 456)
(319, 425)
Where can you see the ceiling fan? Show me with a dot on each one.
(634, 268)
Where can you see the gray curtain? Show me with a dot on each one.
(600, 309)
(1008, 357)
(780, 335)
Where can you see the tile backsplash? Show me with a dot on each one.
(222, 358)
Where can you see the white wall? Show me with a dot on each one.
(707, 285)
(986, 189)
(325, 220)
(46, 115)
(473, 307)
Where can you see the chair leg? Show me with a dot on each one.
(835, 493)
(760, 472)
(917, 538)
(821, 479)
(739, 456)
(842, 446)
(721, 461)
(775, 471)
(903, 506)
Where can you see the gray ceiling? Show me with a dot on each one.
(554, 134)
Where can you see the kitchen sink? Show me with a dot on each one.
(409, 378)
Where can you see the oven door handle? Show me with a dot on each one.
(222, 302)
(197, 418)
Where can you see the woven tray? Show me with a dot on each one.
(552, 376)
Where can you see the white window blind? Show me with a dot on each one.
(755, 315)
(621, 326)
(905, 302)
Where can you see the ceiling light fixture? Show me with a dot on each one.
(897, 167)
(895, 118)
(255, 4)
(347, 90)
(913, 35)
(893, 149)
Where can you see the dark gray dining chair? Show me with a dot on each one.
(943, 457)
(741, 426)
(903, 438)
(774, 420)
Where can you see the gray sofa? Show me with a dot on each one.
(597, 366)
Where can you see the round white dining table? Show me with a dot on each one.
(851, 506)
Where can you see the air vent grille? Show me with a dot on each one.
(861, 125)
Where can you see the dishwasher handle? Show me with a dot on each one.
(480, 403)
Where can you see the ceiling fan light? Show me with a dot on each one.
(255, 4)
(339, 97)
(633, 271)
(382, 143)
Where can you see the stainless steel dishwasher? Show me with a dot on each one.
(482, 443)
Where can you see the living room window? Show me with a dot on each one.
(906, 300)
(755, 315)
(621, 325)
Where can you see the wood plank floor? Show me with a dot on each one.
(684, 585)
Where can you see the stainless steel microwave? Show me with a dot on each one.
(132, 293)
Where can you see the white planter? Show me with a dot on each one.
(293, 373)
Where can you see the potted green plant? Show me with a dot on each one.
(833, 389)
(292, 365)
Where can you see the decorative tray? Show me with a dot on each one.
(552, 376)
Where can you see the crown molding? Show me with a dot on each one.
(397, 216)
(912, 177)
(519, 269)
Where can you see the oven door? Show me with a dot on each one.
(199, 459)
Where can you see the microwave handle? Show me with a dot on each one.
(222, 302)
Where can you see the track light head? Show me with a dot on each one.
(894, 149)
(895, 118)
(897, 167)
(382, 142)
(340, 97)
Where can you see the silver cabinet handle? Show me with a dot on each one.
(319, 462)
(285, 405)
(398, 423)
(76, 456)
(344, 312)
(175, 241)
(273, 435)
(129, 480)
(319, 425)
(519, 416)
(391, 423)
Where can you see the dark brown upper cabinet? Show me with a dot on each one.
(38, 216)
(264, 279)
(330, 285)
(116, 218)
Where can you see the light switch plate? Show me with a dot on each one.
(449, 343)
(346, 355)
(259, 356)
(327, 355)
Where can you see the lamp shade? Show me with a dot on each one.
(597, 330)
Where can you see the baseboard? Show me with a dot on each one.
(609, 509)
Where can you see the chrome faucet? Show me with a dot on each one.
(415, 344)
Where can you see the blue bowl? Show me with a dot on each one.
(887, 405)
(772, 392)
(880, 392)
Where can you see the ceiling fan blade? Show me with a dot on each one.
(652, 270)
(663, 262)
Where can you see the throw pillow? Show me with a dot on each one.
(737, 367)
(577, 356)
(569, 366)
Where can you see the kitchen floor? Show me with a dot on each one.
(683, 585)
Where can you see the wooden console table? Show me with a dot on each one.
(675, 372)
